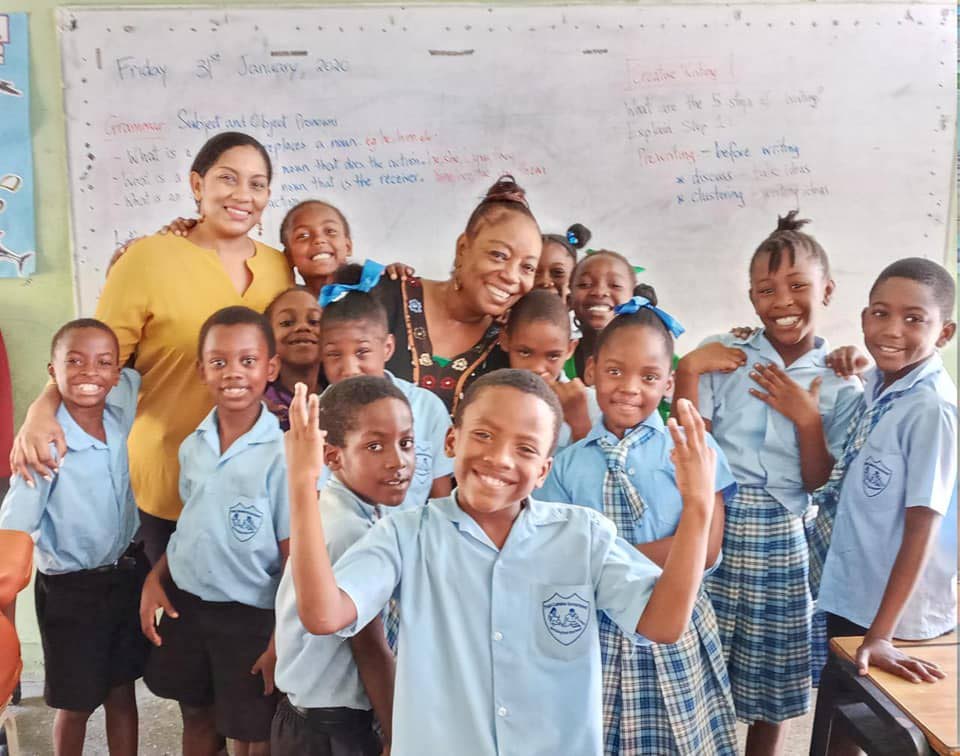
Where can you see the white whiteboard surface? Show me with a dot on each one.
(676, 134)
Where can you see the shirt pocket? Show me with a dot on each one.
(248, 521)
(881, 476)
(562, 616)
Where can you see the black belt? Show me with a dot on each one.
(337, 716)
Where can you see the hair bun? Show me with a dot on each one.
(506, 189)
(578, 235)
(790, 222)
(646, 290)
(348, 273)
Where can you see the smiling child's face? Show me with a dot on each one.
(316, 241)
(501, 449)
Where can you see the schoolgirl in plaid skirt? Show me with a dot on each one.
(781, 416)
(657, 698)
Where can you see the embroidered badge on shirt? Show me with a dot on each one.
(876, 476)
(566, 617)
(245, 521)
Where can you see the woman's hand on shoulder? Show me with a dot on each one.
(399, 271)
(179, 226)
(847, 361)
(742, 332)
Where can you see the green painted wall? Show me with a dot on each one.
(32, 309)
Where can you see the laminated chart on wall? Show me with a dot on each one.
(676, 134)
(17, 228)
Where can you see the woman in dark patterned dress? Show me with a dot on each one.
(447, 332)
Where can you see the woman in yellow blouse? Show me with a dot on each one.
(155, 299)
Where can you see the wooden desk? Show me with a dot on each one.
(930, 706)
(886, 713)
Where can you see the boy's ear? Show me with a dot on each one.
(544, 472)
(389, 346)
(668, 389)
(349, 247)
(571, 348)
(449, 440)
(828, 291)
(273, 368)
(200, 372)
(333, 457)
(589, 371)
(946, 333)
(50, 371)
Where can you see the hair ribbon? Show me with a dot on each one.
(369, 277)
(635, 304)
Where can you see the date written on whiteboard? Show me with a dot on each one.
(215, 65)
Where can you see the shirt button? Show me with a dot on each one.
(631, 471)
(502, 711)
(498, 636)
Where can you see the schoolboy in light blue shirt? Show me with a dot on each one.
(217, 580)
(355, 341)
(481, 668)
(761, 444)
(333, 686)
(898, 499)
(83, 521)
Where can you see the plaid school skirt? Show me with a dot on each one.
(762, 600)
(667, 698)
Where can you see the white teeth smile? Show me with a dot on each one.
(87, 388)
(787, 322)
(499, 294)
(890, 350)
(235, 391)
(491, 481)
(321, 256)
(600, 308)
(237, 213)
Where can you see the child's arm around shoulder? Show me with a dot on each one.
(714, 355)
(23, 506)
(324, 609)
(670, 607)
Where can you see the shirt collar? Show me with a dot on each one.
(533, 513)
(874, 379)
(336, 488)
(264, 430)
(816, 357)
(599, 430)
(76, 437)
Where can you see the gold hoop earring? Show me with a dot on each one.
(200, 215)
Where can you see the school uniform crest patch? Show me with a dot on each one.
(876, 476)
(245, 521)
(566, 617)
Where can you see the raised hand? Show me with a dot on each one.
(304, 441)
(695, 461)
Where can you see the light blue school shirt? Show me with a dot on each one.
(86, 516)
(909, 460)
(760, 443)
(235, 511)
(431, 421)
(500, 651)
(564, 437)
(318, 671)
(578, 472)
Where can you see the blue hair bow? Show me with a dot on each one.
(572, 239)
(635, 304)
(369, 277)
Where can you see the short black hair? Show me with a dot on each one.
(644, 317)
(355, 305)
(578, 268)
(786, 240)
(521, 380)
(216, 145)
(268, 313)
(928, 273)
(543, 305)
(76, 325)
(575, 239)
(341, 403)
(234, 316)
(288, 218)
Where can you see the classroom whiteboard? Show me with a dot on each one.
(677, 134)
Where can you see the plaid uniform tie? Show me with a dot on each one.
(827, 496)
(621, 501)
